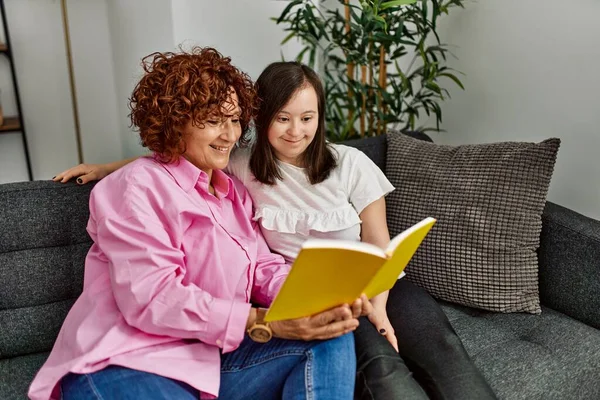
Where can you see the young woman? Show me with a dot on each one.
(304, 187)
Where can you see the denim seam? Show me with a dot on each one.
(235, 368)
(308, 377)
(93, 387)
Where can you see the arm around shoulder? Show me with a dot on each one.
(91, 172)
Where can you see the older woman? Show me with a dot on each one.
(178, 270)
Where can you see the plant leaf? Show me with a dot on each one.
(454, 78)
(382, 20)
(396, 3)
(286, 10)
(288, 37)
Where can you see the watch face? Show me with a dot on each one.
(260, 334)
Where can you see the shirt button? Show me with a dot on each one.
(219, 343)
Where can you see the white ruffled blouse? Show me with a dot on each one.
(293, 210)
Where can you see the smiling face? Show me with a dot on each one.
(294, 127)
(208, 146)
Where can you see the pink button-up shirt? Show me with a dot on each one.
(168, 279)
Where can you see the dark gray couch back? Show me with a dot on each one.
(376, 147)
(43, 244)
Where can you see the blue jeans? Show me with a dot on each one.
(278, 369)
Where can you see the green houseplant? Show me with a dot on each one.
(382, 62)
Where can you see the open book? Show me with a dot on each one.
(328, 273)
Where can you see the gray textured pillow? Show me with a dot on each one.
(488, 200)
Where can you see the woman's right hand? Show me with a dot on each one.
(326, 325)
(84, 173)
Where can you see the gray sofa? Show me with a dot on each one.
(555, 355)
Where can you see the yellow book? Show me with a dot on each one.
(328, 273)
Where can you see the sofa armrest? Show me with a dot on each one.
(569, 260)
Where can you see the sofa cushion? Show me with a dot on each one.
(17, 373)
(43, 245)
(375, 147)
(41, 275)
(531, 357)
(31, 329)
(488, 200)
(569, 257)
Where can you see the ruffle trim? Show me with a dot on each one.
(301, 222)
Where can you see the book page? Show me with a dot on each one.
(362, 247)
(391, 247)
(403, 247)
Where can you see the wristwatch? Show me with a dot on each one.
(260, 331)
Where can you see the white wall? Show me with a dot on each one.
(37, 37)
(240, 29)
(137, 28)
(531, 73)
(39, 55)
(94, 81)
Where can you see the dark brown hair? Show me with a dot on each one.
(275, 87)
(181, 87)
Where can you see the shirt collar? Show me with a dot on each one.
(222, 183)
(187, 175)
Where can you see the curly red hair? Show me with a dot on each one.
(187, 86)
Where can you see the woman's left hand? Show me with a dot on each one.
(361, 307)
(84, 173)
(380, 320)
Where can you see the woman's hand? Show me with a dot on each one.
(91, 172)
(326, 325)
(361, 307)
(84, 173)
(382, 323)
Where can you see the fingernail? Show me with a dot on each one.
(80, 181)
(382, 331)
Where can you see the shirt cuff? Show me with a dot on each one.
(228, 320)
